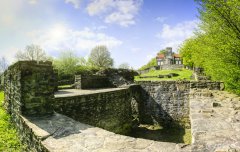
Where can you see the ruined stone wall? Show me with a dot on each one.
(29, 88)
(29, 91)
(167, 102)
(92, 81)
(109, 110)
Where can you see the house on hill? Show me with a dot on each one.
(169, 60)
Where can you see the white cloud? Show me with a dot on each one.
(99, 28)
(173, 36)
(161, 19)
(60, 37)
(75, 3)
(97, 7)
(9, 9)
(120, 12)
(121, 19)
(33, 1)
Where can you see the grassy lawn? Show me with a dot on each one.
(182, 74)
(65, 87)
(9, 140)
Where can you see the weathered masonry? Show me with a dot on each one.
(29, 92)
(106, 108)
(29, 95)
(167, 102)
(92, 81)
(38, 112)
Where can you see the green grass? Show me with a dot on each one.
(64, 86)
(9, 140)
(183, 74)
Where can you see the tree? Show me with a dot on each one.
(216, 46)
(32, 53)
(151, 63)
(100, 57)
(124, 66)
(3, 64)
(83, 61)
(66, 63)
(162, 51)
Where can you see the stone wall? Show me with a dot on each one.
(29, 91)
(167, 102)
(107, 78)
(171, 66)
(92, 82)
(29, 88)
(110, 110)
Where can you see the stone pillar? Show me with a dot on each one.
(77, 82)
(29, 88)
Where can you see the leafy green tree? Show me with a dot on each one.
(151, 63)
(66, 63)
(162, 51)
(83, 61)
(100, 57)
(216, 46)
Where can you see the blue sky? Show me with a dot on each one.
(133, 30)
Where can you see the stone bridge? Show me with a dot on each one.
(85, 120)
